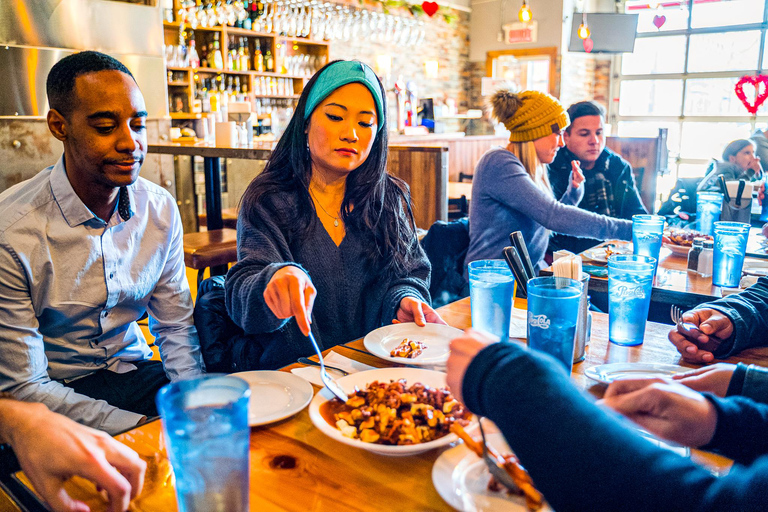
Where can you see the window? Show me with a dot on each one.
(688, 56)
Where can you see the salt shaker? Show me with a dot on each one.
(694, 254)
(706, 258)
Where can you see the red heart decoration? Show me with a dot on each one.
(760, 83)
(658, 21)
(588, 44)
(430, 7)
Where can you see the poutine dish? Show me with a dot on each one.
(408, 349)
(394, 413)
(684, 237)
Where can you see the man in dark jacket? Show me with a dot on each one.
(609, 183)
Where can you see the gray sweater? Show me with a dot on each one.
(351, 299)
(505, 199)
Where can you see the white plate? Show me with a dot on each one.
(461, 479)
(362, 379)
(680, 250)
(275, 395)
(754, 267)
(607, 373)
(617, 246)
(436, 337)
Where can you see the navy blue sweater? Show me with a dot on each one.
(583, 457)
(352, 299)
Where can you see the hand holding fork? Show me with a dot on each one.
(698, 333)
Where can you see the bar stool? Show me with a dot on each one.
(214, 249)
(228, 218)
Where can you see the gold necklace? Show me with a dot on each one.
(335, 219)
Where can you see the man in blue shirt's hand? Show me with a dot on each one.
(86, 248)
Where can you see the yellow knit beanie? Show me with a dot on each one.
(528, 115)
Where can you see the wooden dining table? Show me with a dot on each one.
(294, 466)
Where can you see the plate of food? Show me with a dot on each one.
(607, 373)
(680, 241)
(390, 411)
(603, 251)
(408, 343)
(275, 395)
(462, 479)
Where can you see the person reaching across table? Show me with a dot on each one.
(326, 238)
(609, 184)
(51, 448)
(511, 190)
(585, 457)
(86, 248)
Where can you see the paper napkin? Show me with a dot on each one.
(312, 373)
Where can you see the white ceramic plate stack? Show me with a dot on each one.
(275, 395)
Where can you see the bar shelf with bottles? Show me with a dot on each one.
(246, 64)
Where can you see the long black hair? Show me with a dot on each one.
(382, 203)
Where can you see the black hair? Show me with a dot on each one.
(382, 203)
(61, 79)
(584, 108)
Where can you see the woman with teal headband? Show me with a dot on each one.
(326, 239)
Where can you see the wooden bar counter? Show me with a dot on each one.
(296, 467)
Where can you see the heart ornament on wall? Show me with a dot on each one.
(588, 44)
(760, 85)
(658, 21)
(430, 7)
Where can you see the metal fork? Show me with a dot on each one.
(331, 384)
(309, 362)
(497, 471)
(676, 314)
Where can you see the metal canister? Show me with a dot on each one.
(582, 324)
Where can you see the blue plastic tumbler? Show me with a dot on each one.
(647, 231)
(709, 205)
(491, 291)
(630, 282)
(205, 421)
(730, 248)
(553, 312)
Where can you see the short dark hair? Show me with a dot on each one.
(584, 108)
(61, 79)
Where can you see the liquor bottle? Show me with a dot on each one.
(216, 59)
(247, 23)
(233, 60)
(242, 55)
(269, 62)
(254, 16)
(204, 56)
(258, 58)
(194, 58)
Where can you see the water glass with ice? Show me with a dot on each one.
(205, 421)
(730, 247)
(709, 205)
(553, 312)
(491, 291)
(630, 282)
(647, 231)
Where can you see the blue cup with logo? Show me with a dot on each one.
(709, 206)
(491, 291)
(730, 248)
(630, 282)
(205, 421)
(647, 231)
(553, 313)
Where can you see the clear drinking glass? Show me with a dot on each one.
(553, 312)
(630, 283)
(491, 291)
(709, 205)
(730, 247)
(205, 421)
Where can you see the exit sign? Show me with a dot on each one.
(521, 32)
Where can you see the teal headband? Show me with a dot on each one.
(342, 73)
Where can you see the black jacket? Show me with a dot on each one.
(626, 197)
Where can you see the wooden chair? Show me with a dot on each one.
(458, 208)
(228, 217)
(465, 177)
(214, 249)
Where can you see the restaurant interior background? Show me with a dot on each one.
(688, 56)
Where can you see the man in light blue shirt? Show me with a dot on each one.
(86, 247)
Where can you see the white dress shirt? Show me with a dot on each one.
(73, 286)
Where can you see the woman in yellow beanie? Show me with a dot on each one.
(511, 191)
